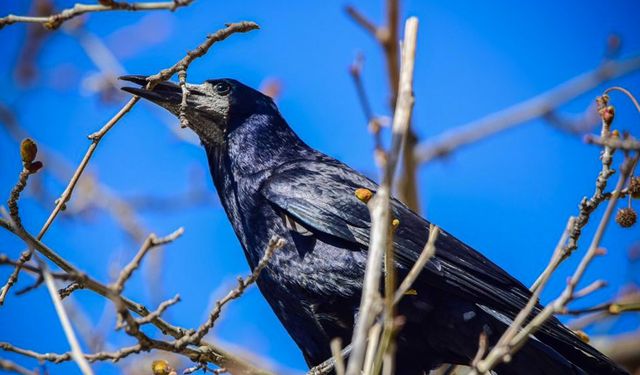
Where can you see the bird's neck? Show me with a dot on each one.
(248, 157)
(263, 142)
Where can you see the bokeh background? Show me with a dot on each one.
(508, 196)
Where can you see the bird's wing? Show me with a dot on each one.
(321, 196)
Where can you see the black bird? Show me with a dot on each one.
(271, 183)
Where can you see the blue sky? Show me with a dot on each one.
(508, 196)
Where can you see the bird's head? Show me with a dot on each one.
(213, 109)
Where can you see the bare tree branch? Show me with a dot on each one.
(9, 366)
(538, 106)
(515, 337)
(151, 242)
(54, 21)
(96, 137)
(380, 210)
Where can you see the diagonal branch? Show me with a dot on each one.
(96, 137)
(516, 115)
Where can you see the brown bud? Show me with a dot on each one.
(28, 151)
(626, 217)
(582, 335)
(601, 251)
(607, 114)
(374, 126)
(395, 223)
(634, 187)
(364, 194)
(615, 133)
(602, 102)
(614, 309)
(34, 167)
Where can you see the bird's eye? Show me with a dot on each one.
(222, 88)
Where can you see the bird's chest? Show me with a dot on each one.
(313, 286)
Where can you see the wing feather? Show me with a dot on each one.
(321, 195)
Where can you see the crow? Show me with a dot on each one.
(271, 183)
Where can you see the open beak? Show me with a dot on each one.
(162, 93)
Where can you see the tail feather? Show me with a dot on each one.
(571, 347)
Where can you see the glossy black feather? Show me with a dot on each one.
(271, 183)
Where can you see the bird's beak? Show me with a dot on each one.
(163, 94)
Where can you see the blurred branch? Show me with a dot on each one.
(275, 243)
(626, 301)
(538, 106)
(388, 38)
(622, 349)
(9, 366)
(202, 352)
(626, 144)
(54, 21)
(374, 123)
(193, 347)
(97, 136)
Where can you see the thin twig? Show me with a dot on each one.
(159, 311)
(54, 21)
(59, 358)
(151, 242)
(76, 351)
(275, 243)
(9, 366)
(96, 137)
(588, 205)
(427, 252)
(28, 151)
(624, 144)
(502, 351)
(388, 36)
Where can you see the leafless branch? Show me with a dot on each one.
(9, 366)
(388, 36)
(159, 311)
(426, 254)
(538, 106)
(626, 144)
(380, 210)
(275, 243)
(196, 348)
(28, 152)
(54, 21)
(515, 337)
(588, 205)
(96, 137)
(151, 242)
